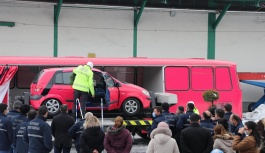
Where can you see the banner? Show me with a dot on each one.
(6, 74)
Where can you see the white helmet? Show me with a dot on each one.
(90, 64)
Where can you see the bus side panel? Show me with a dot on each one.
(224, 80)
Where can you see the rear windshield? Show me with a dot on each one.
(37, 77)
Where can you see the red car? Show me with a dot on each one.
(51, 87)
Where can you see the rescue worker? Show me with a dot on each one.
(6, 131)
(83, 86)
(184, 119)
(157, 118)
(15, 111)
(38, 133)
(195, 110)
(171, 119)
(24, 109)
(20, 145)
(75, 131)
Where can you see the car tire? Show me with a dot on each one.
(250, 107)
(142, 135)
(131, 107)
(53, 106)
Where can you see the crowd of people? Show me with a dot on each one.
(215, 131)
(24, 130)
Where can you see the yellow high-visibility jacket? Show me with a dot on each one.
(83, 79)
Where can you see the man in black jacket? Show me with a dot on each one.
(60, 126)
(195, 139)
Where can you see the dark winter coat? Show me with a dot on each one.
(207, 124)
(20, 145)
(227, 115)
(38, 135)
(60, 126)
(92, 139)
(118, 140)
(75, 132)
(156, 120)
(195, 139)
(172, 121)
(6, 133)
(11, 114)
(184, 120)
(16, 120)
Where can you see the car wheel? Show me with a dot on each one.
(131, 107)
(53, 106)
(142, 135)
(251, 107)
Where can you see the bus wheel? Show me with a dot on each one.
(131, 107)
(53, 106)
(250, 107)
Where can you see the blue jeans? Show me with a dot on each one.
(4, 151)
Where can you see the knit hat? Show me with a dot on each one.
(165, 106)
(17, 104)
(162, 125)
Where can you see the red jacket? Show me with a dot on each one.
(118, 140)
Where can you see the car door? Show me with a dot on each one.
(113, 92)
(62, 86)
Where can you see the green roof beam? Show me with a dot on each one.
(136, 21)
(58, 9)
(215, 24)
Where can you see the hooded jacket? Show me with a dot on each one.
(161, 142)
(118, 140)
(224, 143)
(92, 138)
(247, 145)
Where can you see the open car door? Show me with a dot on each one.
(6, 74)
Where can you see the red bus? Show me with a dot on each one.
(186, 78)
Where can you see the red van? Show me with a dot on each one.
(51, 87)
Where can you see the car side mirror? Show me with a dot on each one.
(117, 84)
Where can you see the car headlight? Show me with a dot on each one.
(146, 93)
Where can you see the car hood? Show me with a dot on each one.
(134, 86)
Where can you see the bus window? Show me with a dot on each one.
(176, 78)
(12, 83)
(124, 74)
(202, 78)
(223, 79)
(140, 75)
(26, 75)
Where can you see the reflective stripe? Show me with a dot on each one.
(3, 130)
(82, 86)
(19, 135)
(34, 135)
(79, 132)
